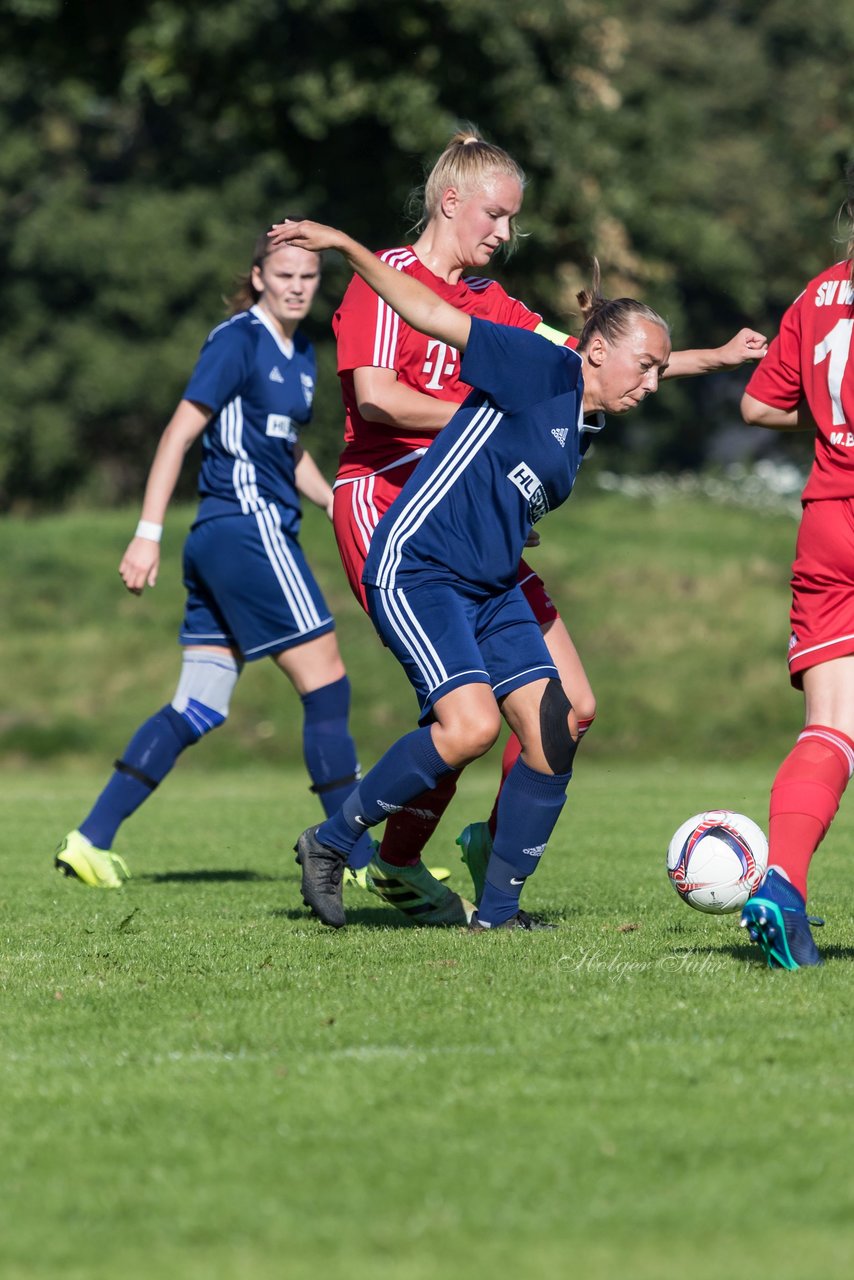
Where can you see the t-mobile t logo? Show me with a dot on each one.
(441, 363)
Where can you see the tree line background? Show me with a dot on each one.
(696, 148)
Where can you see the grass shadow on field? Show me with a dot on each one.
(569, 914)
(388, 918)
(208, 877)
(374, 917)
(836, 952)
(750, 953)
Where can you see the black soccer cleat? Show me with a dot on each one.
(322, 877)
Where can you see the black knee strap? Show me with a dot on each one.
(123, 767)
(559, 746)
(319, 788)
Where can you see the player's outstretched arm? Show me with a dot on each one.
(746, 345)
(758, 414)
(141, 561)
(412, 300)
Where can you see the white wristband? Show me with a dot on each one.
(148, 529)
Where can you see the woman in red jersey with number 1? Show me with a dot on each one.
(400, 389)
(807, 381)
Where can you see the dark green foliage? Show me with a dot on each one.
(696, 149)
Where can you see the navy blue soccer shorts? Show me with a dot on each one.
(249, 586)
(445, 636)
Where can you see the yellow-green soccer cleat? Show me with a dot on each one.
(475, 847)
(417, 893)
(358, 878)
(98, 868)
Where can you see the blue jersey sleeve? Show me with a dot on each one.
(224, 363)
(517, 368)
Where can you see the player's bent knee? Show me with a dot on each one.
(481, 741)
(481, 732)
(585, 710)
(204, 691)
(559, 746)
(467, 738)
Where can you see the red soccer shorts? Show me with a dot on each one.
(822, 586)
(359, 505)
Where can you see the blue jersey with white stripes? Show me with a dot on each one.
(260, 390)
(508, 456)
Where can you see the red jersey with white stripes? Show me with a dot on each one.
(371, 334)
(812, 358)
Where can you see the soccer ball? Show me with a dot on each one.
(716, 860)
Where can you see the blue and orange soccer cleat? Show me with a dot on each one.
(776, 919)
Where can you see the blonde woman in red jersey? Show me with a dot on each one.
(400, 389)
(807, 381)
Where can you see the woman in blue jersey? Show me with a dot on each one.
(250, 592)
(441, 573)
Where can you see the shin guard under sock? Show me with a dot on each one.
(328, 748)
(330, 754)
(528, 808)
(512, 749)
(147, 759)
(804, 798)
(410, 766)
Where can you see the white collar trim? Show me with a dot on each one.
(285, 345)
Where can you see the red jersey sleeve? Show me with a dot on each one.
(517, 314)
(777, 380)
(812, 359)
(358, 327)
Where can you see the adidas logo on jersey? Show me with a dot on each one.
(560, 434)
(275, 374)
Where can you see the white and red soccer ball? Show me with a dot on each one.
(716, 860)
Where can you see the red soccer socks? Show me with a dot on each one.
(804, 798)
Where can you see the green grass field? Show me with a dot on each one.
(199, 1081)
